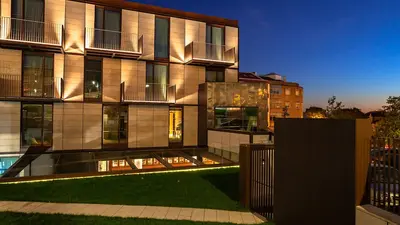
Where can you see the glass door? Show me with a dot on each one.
(215, 42)
(175, 127)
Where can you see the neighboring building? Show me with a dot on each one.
(281, 94)
(117, 75)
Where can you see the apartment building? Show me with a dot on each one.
(113, 74)
(281, 93)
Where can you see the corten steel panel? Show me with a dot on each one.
(314, 172)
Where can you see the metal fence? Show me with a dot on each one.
(383, 175)
(257, 173)
(113, 40)
(208, 51)
(149, 92)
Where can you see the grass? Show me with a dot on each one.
(41, 219)
(213, 189)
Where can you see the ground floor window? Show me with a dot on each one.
(236, 118)
(115, 125)
(175, 125)
(37, 124)
(6, 163)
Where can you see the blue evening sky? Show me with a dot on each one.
(347, 48)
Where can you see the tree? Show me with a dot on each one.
(315, 113)
(285, 112)
(334, 108)
(389, 126)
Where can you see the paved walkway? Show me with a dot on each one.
(153, 212)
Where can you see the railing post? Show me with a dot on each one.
(245, 174)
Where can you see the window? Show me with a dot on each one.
(287, 91)
(156, 82)
(25, 17)
(297, 92)
(175, 125)
(37, 125)
(115, 125)
(107, 28)
(276, 90)
(161, 46)
(215, 75)
(298, 105)
(215, 42)
(276, 104)
(38, 80)
(236, 118)
(287, 104)
(93, 79)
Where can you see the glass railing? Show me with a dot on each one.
(29, 31)
(150, 92)
(32, 87)
(206, 52)
(113, 40)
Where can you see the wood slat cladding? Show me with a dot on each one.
(122, 4)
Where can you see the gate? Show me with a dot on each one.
(257, 178)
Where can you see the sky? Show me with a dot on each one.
(346, 48)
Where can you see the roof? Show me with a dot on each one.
(135, 6)
(253, 77)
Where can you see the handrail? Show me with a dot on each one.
(149, 92)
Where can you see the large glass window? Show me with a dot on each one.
(37, 124)
(25, 17)
(161, 48)
(156, 82)
(107, 28)
(93, 79)
(276, 90)
(236, 118)
(175, 125)
(115, 125)
(38, 77)
(215, 75)
(215, 42)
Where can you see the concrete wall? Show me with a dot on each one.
(73, 77)
(228, 142)
(111, 80)
(371, 215)
(190, 124)
(148, 126)
(177, 40)
(130, 29)
(74, 27)
(147, 29)
(10, 117)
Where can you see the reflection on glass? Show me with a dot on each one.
(215, 76)
(175, 125)
(27, 29)
(115, 124)
(93, 78)
(38, 76)
(156, 82)
(6, 163)
(37, 125)
(161, 47)
(215, 42)
(236, 118)
(108, 28)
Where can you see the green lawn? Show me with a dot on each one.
(41, 219)
(213, 189)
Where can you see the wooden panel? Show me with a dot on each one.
(73, 77)
(74, 27)
(317, 168)
(196, 32)
(231, 75)
(145, 129)
(92, 126)
(177, 78)
(58, 122)
(177, 40)
(72, 126)
(111, 80)
(89, 23)
(160, 126)
(10, 117)
(190, 122)
(10, 66)
(130, 29)
(147, 29)
(232, 41)
(132, 126)
(54, 14)
(5, 8)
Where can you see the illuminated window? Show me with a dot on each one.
(297, 92)
(37, 125)
(287, 91)
(175, 125)
(38, 75)
(93, 79)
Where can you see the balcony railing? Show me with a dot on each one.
(206, 53)
(28, 31)
(30, 87)
(157, 93)
(114, 41)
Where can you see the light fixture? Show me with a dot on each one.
(147, 85)
(93, 82)
(35, 90)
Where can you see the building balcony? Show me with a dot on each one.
(209, 54)
(13, 87)
(20, 33)
(148, 93)
(113, 43)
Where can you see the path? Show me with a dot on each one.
(153, 212)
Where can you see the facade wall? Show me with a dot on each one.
(147, 29)
(74, 75)
(231, 75)
(6, 8)
(89, 24)
(92, 125)
(130, 29)
(74, 27)
(111, 80)
(232, 41)
(10, 120)
(196, 32)
(54, 14)
(177, 40)
(186, 78)
(72, 133)
(10, 68)
(190, 125)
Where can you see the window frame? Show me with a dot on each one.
(160, 59)
(118, 145)
(216, 69)
(153, 66)
(211, 35)
(22, 136)
(106, 8)
(242, 116)
(85, 99)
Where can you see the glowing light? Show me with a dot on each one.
(147, 85)
(93, 82)
(35, 90)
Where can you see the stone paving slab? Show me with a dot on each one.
(131, 211)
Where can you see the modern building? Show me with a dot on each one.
(118, 75)
(281, 93)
